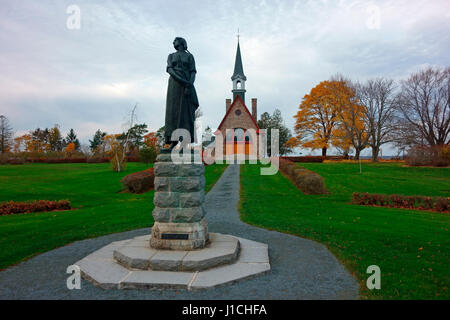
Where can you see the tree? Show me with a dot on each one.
(147, 154)
(135, 136)
(377, 98)
(160, 136)
(20, 143)
(72, 138)
(5, 135)
(275, 121)
(423, 105)
(119, 144)
(54, 139)
(351, 130)
(39, 141)
(97, 141)
(70, 148)
(318, 114)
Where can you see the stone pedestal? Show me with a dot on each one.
(179, 212)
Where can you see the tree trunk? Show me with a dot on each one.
(357, 152)
(324, 152)
(375, 151)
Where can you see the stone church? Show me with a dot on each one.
(235, 125)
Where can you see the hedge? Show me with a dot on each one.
(11, 207)
(307, 181)
(399, 201)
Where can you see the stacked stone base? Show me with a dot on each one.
(184, 236)
(179, 212)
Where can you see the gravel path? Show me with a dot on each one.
(301, 269)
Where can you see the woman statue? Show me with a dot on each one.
(182, 101)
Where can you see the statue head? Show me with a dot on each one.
(180, 42)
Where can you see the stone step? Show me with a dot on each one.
(137, 254)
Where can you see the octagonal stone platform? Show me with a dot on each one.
(101, 267)
(137, 254)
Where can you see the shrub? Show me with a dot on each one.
(441, 204)
(307, 181)
(139, 182)
(398, 201)
(438, 156)
(12, 207)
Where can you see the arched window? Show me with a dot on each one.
(229, 135)
(239, 85)
(248, 136)
(238, 134)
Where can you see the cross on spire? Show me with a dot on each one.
(238, 35)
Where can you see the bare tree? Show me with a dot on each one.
(377, 96)
(121, 150)
(424, 107)
(5, 134)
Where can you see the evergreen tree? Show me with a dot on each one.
(97, 140)
(135, 136)
(275, 121)
(5, 134)
(72, 138)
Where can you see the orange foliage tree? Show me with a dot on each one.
(151, 140)
(116, 151)
(319, 114)
(70, 148)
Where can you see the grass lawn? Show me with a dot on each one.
(412, 248)
(93, 189)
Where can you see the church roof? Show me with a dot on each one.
(238, 97)
(238, 69)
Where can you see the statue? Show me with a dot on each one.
(182, 101)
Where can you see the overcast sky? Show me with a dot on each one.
(89, 78)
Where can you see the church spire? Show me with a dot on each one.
(238, 76)
(238, 69)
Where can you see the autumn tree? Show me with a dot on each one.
(319, 113)
(72, 138)
(55, 140)
(21, 142)
(70, 148)
(5, 135)
(423, 105)
(39, 141)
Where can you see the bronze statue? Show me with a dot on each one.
(182, 101)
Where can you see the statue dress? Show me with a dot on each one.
(182, 101)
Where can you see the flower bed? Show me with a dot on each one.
(307, 181)
(399, 201)
(12, 207)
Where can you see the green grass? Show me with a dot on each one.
(412, 248)
(93, 189)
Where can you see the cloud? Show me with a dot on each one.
(90, 78)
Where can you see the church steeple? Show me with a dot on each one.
(238, 76)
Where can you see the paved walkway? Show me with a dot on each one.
(301, 269)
